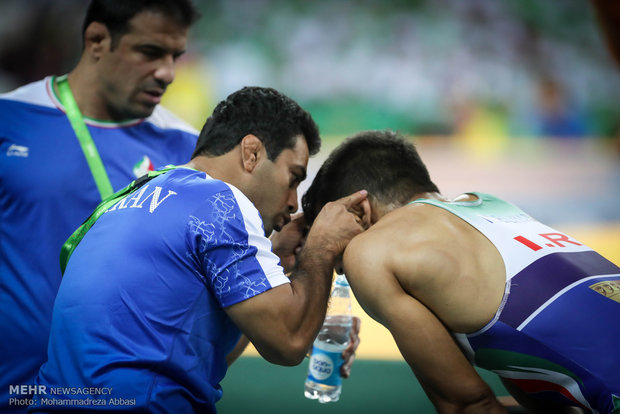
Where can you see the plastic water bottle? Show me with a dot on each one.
(324, 382)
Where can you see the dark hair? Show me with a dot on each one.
(382, 162)
(116, 14)
(274, 118)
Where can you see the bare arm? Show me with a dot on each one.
(447, 377)
(282, 322)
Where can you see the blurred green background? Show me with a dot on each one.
(420, 66)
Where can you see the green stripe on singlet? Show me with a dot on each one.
(497, 359)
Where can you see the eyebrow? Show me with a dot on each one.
(159, 48)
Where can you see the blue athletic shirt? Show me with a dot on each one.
(140, 309)
(46, 191)
(556, 335)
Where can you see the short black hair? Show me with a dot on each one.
(382, 162)
(116, 14)
(274, 118)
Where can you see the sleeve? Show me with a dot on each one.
(235, 258)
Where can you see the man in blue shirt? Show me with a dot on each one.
(158, 292)
(46, 185)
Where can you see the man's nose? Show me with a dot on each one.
(293, 204)
(165, 70)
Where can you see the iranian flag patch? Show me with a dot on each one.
(143, 166)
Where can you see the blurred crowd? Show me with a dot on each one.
(514, 67)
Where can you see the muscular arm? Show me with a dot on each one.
(286, 245)
(447, 377)
(282, 322)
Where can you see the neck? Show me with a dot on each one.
(223, 167)
(84, 87)
(81, 99)
(381, 209)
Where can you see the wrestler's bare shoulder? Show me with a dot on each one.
(435, 255)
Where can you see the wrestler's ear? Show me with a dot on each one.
(367, 219)
(363, 211)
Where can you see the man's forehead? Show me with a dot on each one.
(152, 23)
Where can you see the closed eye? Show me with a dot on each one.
(296, 180)
(152, 52)
(298, 174)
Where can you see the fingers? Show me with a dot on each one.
(354, 199)
(345, 369)
(349, 353)
(354, 338)
(356, 325)
(297, 217)
(296, 227)
(298, 222)
(355, 204)
(336, 225)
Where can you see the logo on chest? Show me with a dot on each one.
(17, 151)
(143, 167)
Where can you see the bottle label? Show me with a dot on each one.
(325, 366)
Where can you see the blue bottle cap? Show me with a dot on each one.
(341, 280)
